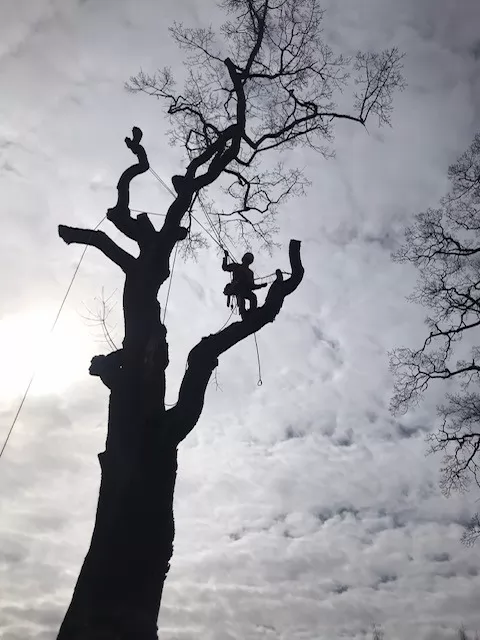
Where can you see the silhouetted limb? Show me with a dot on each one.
(100, 240)
(107, 367)
(203, 358)
(140, 229)
(252, 301)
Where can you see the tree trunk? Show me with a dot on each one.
(120, 585)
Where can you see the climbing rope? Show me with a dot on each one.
(162, 182)
(228, 320)
(60, 309)
(216, 235)
(271, 275)
(218, 241)
(260, 381)
(150, 213)
(170, 282)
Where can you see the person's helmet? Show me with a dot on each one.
(247, 258)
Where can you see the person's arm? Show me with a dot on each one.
(260, 286)
(225, 265)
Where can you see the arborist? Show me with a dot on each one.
(243, 284)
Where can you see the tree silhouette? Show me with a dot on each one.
(444, 244)
(269, 87)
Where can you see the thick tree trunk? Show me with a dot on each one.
(120, 586)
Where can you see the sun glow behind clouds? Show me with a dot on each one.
(28, 345)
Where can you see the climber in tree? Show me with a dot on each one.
(243, 284)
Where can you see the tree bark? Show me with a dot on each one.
(120, 585)
(119, 589)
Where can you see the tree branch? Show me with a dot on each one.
(100, 240)
(472, 531)
(203, 358)
(275, 89)
(141, 229)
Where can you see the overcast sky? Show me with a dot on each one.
(304, 511)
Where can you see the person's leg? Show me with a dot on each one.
(241, 305)
(252, 299)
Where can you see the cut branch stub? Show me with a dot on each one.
(140, 230)
(99, 240)
(123, 186)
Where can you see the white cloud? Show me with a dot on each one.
(303, 509)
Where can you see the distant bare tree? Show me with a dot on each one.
(377, 633)
(472, 532)
(270, 87)
(463, 634)
(444, 245)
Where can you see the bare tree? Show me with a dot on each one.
(272, 90)
(377, 632)
(463, 634)
(472, 531)
(444, 245)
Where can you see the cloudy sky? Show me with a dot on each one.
(303, 509)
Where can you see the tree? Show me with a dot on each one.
(444, 245)
(463, 634)
(377, 633)
(270, 88)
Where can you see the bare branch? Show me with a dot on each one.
(465, 177)
(472, 531)
(203, 358)
(379, 75)
(141, 229)
(271, 85)
(100, 240)
(99, 316)
(444, 245)
(459, 440)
